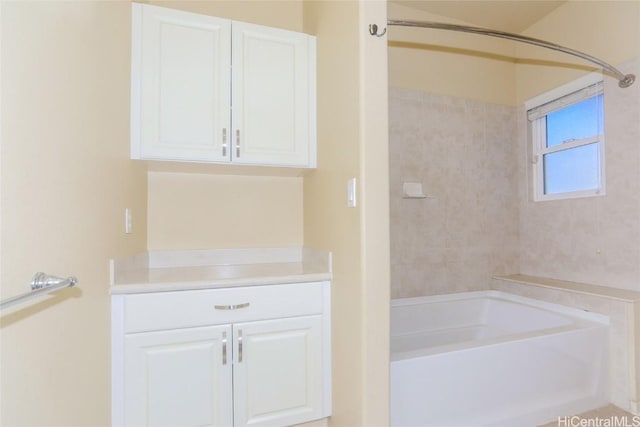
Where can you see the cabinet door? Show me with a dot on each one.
(273, 96)
(278, 372)
(179, 378)
(180, 85)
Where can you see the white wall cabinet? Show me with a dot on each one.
(190, 102)
(256, 356)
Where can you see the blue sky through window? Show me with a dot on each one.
(576, 168)
(576, 121)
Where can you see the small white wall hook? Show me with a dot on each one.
(373, 30)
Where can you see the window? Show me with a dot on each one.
(567, 131)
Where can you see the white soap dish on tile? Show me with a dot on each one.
(413, 190)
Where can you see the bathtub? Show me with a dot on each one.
(494, 359)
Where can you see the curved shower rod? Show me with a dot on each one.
(624, 80)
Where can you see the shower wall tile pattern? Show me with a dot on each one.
(475, 159)
(465, 153)
(596, 239)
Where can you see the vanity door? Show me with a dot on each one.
(180, 377)
(278, 377)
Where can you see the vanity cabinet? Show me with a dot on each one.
(255, 355)
(206, 89)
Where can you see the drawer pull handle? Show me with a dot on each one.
(240, 346)
(232, 306)
(224, 348)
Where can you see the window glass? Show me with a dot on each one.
(576, 121)
(574, 169)
(567, 134)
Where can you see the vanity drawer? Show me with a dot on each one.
(184, 309)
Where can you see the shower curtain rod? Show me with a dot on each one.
(624, 80)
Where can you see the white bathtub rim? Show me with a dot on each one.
(580, 320)
(543, 305)
(491, 342)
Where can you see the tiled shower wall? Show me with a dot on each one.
(465, 154)
(593, 239)
(472, 157)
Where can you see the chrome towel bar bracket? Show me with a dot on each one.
(41, 284)
(42, 280)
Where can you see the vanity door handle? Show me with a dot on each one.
(237, 142)
(232, 306)
(240, 346)
(224, 348)
(224, 142)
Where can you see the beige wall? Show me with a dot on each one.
(285, 14)
(328, 223)
(609, 30)
(200, 211)
(374, 216)
(450, 63)
(504, 72)
(352, 143)
(66, 180)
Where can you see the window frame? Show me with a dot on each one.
(538, 139)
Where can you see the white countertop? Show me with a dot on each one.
(220, 268)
